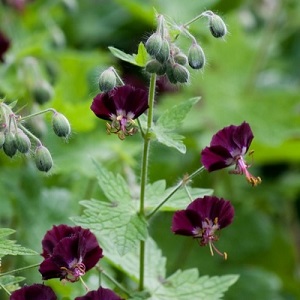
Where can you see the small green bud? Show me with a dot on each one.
(42, 92)
(2, 138)
(217, 26)
(181, 59)
(154, 66)
(170, 74)
(43, 159)
(164, 52)
(196, 57)
(61, 125)
(9, 146)
(154, 43)
(22, 141)
(107, 80)
(181, 73)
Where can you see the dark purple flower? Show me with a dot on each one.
(228, 147)
(4, 45)
(121, 106)
(69, 252)
(202, 219)
(100, 294)
(34, 292)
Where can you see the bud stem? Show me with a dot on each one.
(193, 20)
(117, 75)
(39, 143)
(38, 113)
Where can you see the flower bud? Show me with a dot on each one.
(196, 57)
(2, 138)
(217, 26)
(43, 159)
(22, 141)
(42, 92)
(9, 146)
(107, 80)
(181, 59)
(164, 52)
(170, 74)
(154, 66)
(154, 43)
(61, 125)
(181, 73)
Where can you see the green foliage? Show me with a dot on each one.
(10, 282)
(9, 247)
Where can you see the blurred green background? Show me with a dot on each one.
(252, 76)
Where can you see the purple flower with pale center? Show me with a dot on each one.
(100, 294)
(69, 252)
(4, 45)
(228, 147)
(33, 292)
(202, 219)
(121, 106)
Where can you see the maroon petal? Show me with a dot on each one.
(103, 106)
(4, 45)
(185, 222)
(100, 294)
(49, 269)
(34, 292)
(215, 158)
(243, 136)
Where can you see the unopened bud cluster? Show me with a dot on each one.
(15, 137)
(167, 59)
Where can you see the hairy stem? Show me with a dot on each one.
(19, 270)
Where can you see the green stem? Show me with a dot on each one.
(39, 143)
(144, 172)
(5, 289)
(119, 286)
(19, 270)
(117, 75)
(193, 20)
(175, 189)
(38, 113)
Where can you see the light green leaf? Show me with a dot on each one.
(10, 282)
(118, 220)
(142, 55)
(170, 139)
(9, 247)
(186, 285)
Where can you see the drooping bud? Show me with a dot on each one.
(217, 26)
(164, 52)
(22, 141)
(9, 146)
(43, 159)
(61, 125)
(154, 43)
(196, 57)
(42, 92)
(170, 74)
(181, 73)
(181, 59)
(107, 80)
(2, 138)
(154, 66)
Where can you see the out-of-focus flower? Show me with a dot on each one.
(69, 252)
(33, 292)
(100, 294)
(228, 147)
(202, 219)
(121, 106)
(4, 45)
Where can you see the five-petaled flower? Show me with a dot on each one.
(202, 219)
(33, 292)
(100, 294)
(228, 147)
(121, 106)
(69, 252)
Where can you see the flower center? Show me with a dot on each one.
(75, 271)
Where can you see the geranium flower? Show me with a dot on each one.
(33, 292)
(202, 219)
(69, 252)
(121, 106)
(100, 294)
(4, 45)
(228, 147)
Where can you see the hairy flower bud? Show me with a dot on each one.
(22, 141)
(42, 92)
(61, 125)
(43, 159)
(170, 74)
(154, 66)
(9, 146)
(196, 57)
(154, 43)
(107, 80)
(217, 26)
(181, 73)
(2, 138)
(181, 59)
(164, 52)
